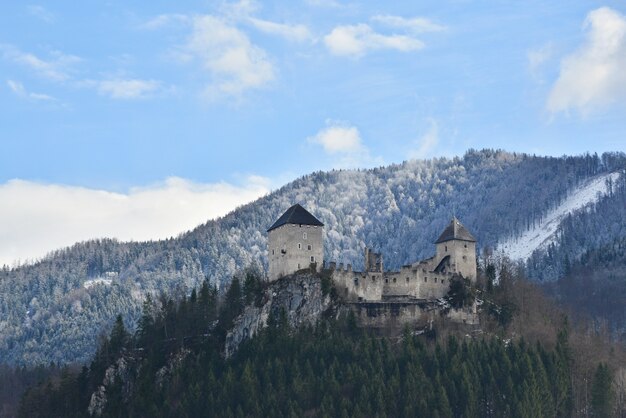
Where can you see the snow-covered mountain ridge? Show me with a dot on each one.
(543, 233)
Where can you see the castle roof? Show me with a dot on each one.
(296, 215)
(455, 230)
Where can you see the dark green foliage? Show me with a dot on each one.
(602, 394)
(175, 368)
(461, 293)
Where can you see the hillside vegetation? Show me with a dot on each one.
(528, 363)
(53, 310)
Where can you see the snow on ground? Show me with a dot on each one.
(542, 235)
(93, 282)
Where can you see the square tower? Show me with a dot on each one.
(294, 241)
(459, 246)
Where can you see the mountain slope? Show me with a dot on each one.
(543, 233)
(47, 313)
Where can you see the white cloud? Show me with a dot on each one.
(356, 40)
(127, 88)
(594, 75)
(427, 143)
(414, 24)
(41, 12)
(234, 64)
(297, 33)
(37, 218)
(20, 91)
(338, 137)
(342, 142)
(57, 68)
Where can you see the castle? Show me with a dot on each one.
(295, 242)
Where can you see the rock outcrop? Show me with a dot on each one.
(301, 298)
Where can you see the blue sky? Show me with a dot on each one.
(211, 104)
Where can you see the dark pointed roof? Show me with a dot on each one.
(296, 215)
(455, 230)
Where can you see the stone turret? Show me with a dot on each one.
(456, 251)
(295, 241)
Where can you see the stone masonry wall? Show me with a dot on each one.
(294, 247)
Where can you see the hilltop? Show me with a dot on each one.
(54, 309)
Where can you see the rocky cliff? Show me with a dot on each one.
(300, 296)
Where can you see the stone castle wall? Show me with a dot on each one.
(416, 281)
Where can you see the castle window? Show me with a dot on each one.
(465, 245)
(425, 279)
(435, 280)
(407, 279)
(386, 280)
(465, 258)
(394, 279)
(443, 281)
(299, 246)
(446, 248)
(298, 266)
(309, 247)
(312, 259)
(374, 279)
(272, 252)
(356, 281)
(304, 235)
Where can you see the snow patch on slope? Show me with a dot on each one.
(542, 235)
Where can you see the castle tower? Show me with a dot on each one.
(456, 250)
(295, 241)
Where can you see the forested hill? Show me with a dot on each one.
(53, 309)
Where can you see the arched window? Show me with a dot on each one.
(299, 246)
(312, 259)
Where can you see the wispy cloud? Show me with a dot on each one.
(41, 13)
(296, 33)
(71, 214)
(425, 145)
(594, 76)
(326, 3)
(56, 68)
(126, 88)
(163, 20)
(537, 57)
(233, 63)
(357, 40)
(20, 91)
(413, 24)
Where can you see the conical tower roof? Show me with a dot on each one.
(296, 215)
(455, 230)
